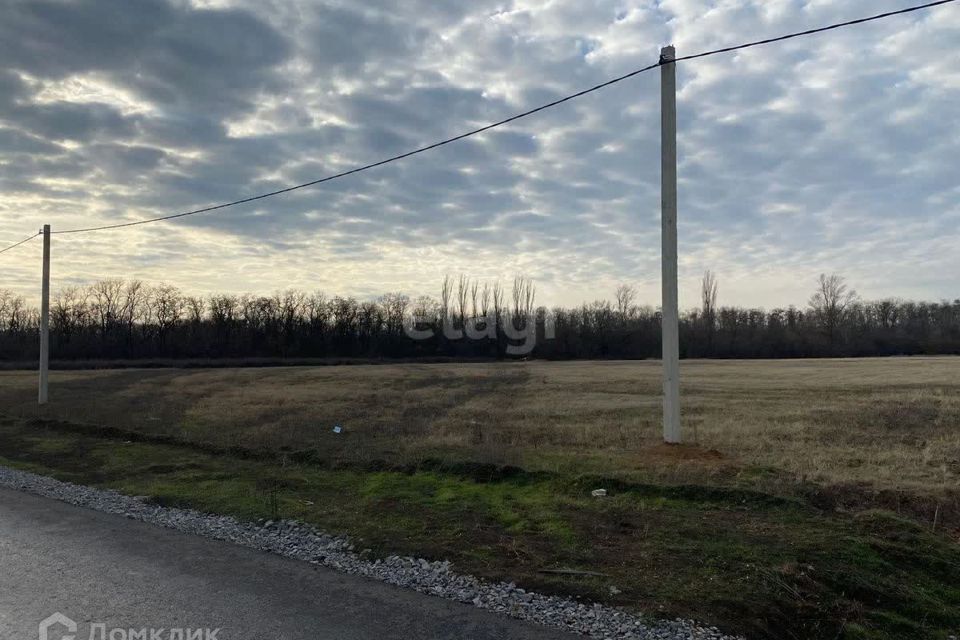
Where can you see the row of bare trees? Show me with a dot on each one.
(835, 322)
(115, 319)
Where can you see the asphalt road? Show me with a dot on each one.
(101, 569)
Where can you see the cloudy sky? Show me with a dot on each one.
(834, 153)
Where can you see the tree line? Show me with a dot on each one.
(117, 319)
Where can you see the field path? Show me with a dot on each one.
(99, 568)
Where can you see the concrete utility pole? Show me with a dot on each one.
(668, 238)
(45, 317)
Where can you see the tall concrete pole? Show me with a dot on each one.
(45, 317)
(668, 239)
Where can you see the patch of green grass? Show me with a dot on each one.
(751, 562)
(54, 446)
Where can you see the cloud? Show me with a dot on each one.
(829, 153)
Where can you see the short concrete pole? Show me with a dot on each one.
(668, 239)
(45, 317)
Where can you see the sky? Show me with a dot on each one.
(835, 153)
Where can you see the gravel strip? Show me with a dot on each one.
(296, 540)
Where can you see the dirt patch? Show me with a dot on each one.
(940, 512)
(684, 452)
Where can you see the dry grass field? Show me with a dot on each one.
(815, 498)
(890, 423)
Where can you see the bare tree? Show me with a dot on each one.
(463, 291)
(369, 321)
(626, 295)
(485, 300)
(708, 297)
(345, 312)
(318, 312)
(14, 314)
(446, 292)
(395, 310)
(293, 307)
(106, 304)
(224, 309)
(69, 311)
(529, 297)
(166, 308)
(830, 302)
(524, 294)
(196, 309)
(498, 303)
(134, 306)
(426, 312)
(474, 291)
(6, 296)
(886, 312)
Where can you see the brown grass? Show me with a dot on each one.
(887, 424)
(774, 523)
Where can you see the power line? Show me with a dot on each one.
(24, 241)
(505, 121)
(810, 32)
